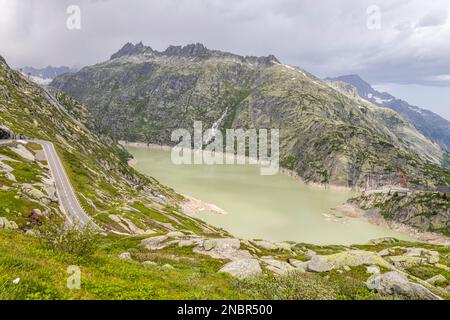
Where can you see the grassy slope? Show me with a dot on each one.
(43, 274)
(96, 166)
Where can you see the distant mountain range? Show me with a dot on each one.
(47, 74)
(326, 136)
(428, 123)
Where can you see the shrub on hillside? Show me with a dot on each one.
(74, 239)
(296, 286)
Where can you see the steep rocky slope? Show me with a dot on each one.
(424, 211)
(428, 123)
(326, 136)
(117, 197)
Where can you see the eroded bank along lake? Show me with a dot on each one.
(260, 207)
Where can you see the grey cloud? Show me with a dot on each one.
(325, 37)
(436, 18)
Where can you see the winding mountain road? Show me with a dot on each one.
(67, 198)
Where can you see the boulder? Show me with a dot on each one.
(438, 278)
(283, 246)
(128, 225)
(230, 243)
(175, 234)
(433, 259)
(7, 224)
(373, 270)
(189, 242)
(278, 267)
(10, 177)
(299, 266)
(155, 243)
(125, 256)
(395, 283)
(310, 253)
(351, 258)
(418, 252)
(51, 191)
(223, 248)
(30, 232)
(149, 263)
(422, 255)
(266, 245)
(34, 193)
(385, 252)
(23, 152)
(242, 268)
(407, 262)
(383, 240)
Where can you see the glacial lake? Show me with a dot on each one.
(260, 207)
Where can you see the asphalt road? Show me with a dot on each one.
(67, 198)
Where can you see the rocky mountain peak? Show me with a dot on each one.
(189, 50)
(263, 60)
(428, 123)
(363, 88)
(130, 49)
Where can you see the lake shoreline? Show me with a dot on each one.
(282, 170)
(192, 206)
(352, 211)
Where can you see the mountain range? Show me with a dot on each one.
(141, 94)
(46, 75)
(428, 123)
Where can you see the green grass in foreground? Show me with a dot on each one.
(43, 275)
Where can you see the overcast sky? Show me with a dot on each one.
(406, 51)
